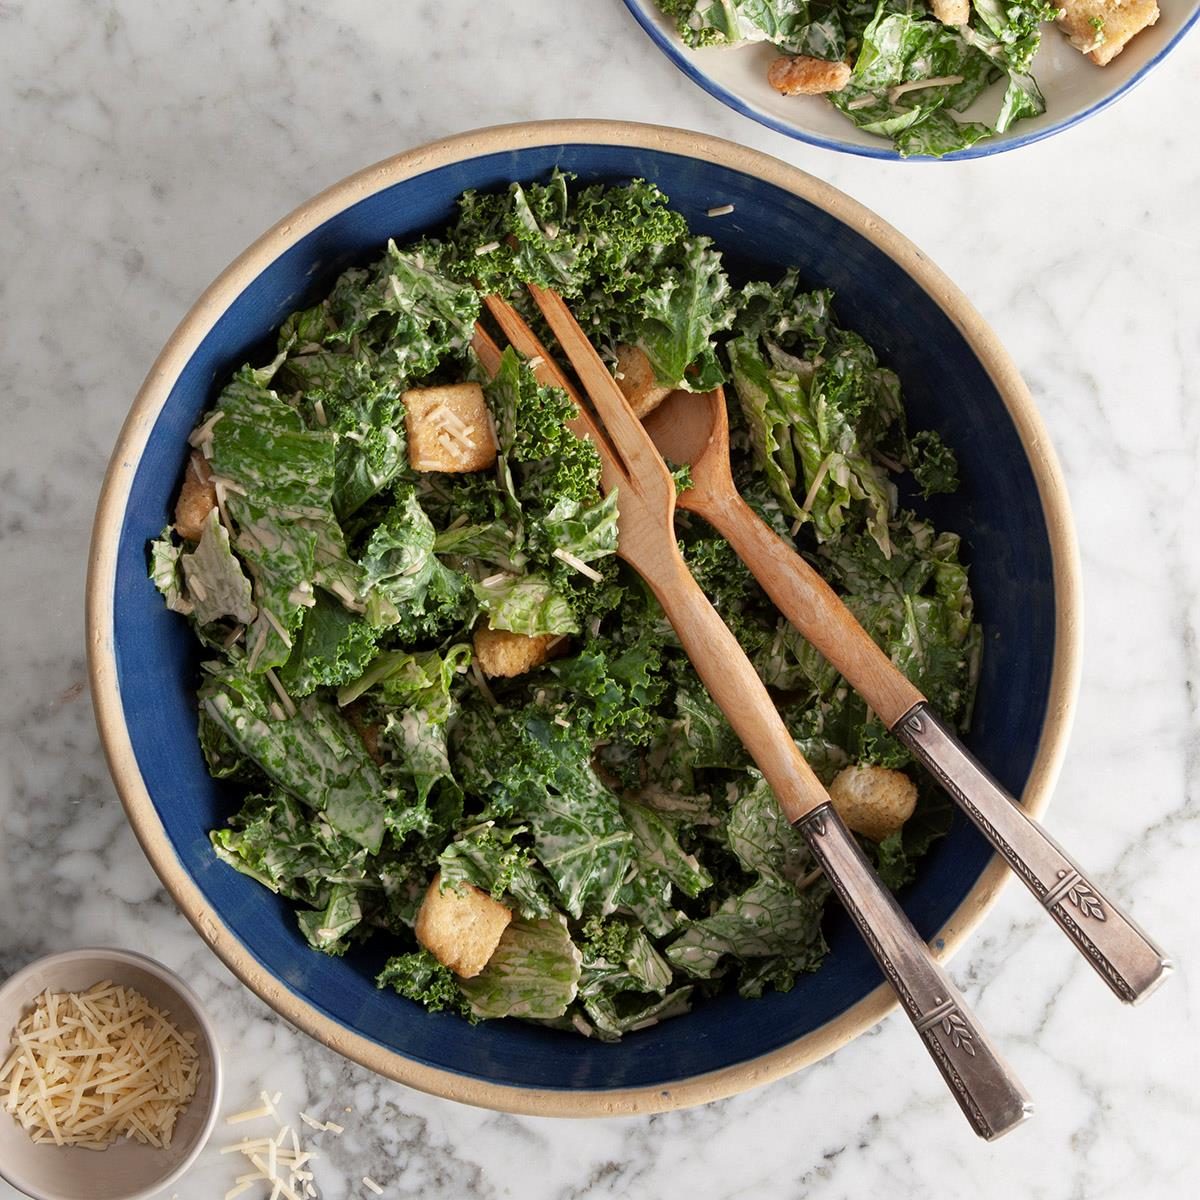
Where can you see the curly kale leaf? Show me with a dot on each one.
(333, 646)
(492, 857)
(315, 754)
(932, 463)
(420, 977)
(548, 462)
(406, 310)
(275, 841)
(539, 774)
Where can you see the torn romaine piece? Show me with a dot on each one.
(165, 572)
(314, 753)
(533, 973)
(216, 584)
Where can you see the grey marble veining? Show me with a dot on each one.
(144, 145)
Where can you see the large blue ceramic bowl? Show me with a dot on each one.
(1011, 511)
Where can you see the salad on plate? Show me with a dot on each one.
(466, 743)
(903, 69)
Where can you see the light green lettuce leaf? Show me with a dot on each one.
(767, 920)
(585, 531)
(524, 604)
(762, 839)
(216, 583)
(419, 678)
(534, 972)
(164, 571)
(657, 846)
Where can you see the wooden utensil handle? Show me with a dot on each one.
(987, 1092)
(990, 1096)
(1121, 954)
(1124, 957)
(734, 685)
(800, 593)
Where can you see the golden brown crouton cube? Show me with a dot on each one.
(635, 376)
(952, 12)
(197, 498)
(461, 929)
(873, 801)
(449, 429)
(1101, 29)
(501, 654)
(804, 76)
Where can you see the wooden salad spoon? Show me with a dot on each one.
(694, 430)
(990, 1096)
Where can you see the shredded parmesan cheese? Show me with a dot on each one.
(368, 1182)
(487, 248)
(578, 563)
(277, 625)
(289, 705)
(203, 433)
(722, 210)
(279, 1162)
(913, 85)
(90, 1067)
(481, 683)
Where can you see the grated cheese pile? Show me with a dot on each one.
(89, 1068)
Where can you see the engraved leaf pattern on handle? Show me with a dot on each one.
(959, 1033)
(1086, 901)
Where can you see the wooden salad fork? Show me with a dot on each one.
(990, 1096)
(694, 429)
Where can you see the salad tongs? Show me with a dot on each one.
(694, 429)
(987, 1092)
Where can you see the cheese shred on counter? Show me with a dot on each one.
(87, 1068)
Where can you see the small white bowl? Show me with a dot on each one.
(127, 1170)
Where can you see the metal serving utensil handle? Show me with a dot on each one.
(988, 1093)
(1123, 956)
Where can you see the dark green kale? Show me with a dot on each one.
(419, 976)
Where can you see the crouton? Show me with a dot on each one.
(501, 654)
(449, 429)
(461, 929)
(1102, 28)
(952, 12)
(804, 76)
(197, 498)
(635, 377)
(873, 801)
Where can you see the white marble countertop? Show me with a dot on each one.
(145, 145)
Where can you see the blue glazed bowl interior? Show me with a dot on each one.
(997, 510)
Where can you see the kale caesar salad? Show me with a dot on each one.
(902, 68)
(460, 730)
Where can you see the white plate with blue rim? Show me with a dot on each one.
(1073, 87)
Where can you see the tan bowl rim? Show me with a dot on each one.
(102, 573)
(113, 954)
